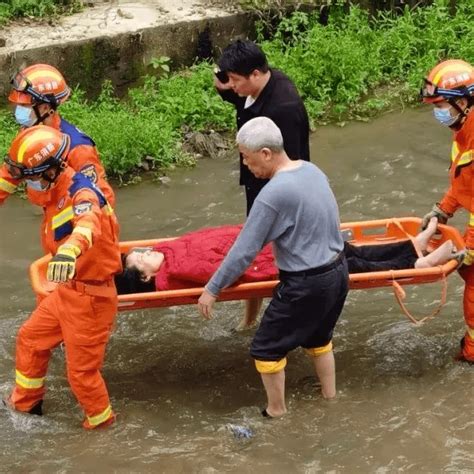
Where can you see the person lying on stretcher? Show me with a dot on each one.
(191, 259)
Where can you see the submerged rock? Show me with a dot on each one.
(240, 431)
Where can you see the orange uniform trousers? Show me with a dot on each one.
(81, 316)
(467, 274)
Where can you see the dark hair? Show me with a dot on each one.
(243, 57)
(130, 280)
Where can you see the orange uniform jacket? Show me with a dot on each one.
(82, 157)
(78, 214)
(461, 190)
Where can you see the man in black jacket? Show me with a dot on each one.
(256, 90)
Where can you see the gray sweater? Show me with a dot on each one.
(297, 212)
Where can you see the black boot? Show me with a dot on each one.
(37, 409)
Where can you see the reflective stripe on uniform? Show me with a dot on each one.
(471, 219)
(464, 159)
(101, 417)
(317, 351)
(454, 151)
(62, 217)
(109, 210)
(85, 232)
(7, 186)
(27, 382)
(470, 332)
(270, 366)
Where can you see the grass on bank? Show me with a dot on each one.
(354, 67)
(17, 9)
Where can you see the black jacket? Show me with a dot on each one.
(279, 101)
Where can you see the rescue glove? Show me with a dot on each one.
(468, 257)
(437, 212)
(62, 266)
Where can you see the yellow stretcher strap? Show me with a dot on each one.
(318, 351)
(270, 366)
(27, 382)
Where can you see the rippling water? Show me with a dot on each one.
(177, 382)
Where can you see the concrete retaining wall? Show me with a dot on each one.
(125, 57)
(124, 51)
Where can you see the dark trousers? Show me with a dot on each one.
(251, 191)
(377, 258)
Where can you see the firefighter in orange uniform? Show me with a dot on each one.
(81, 234)
(36, 93)
(450, 88)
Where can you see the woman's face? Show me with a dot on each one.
(146, 260)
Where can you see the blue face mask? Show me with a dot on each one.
(25, 116)
(443, 116)
(35, 185)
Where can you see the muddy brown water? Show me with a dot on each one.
(176, 382)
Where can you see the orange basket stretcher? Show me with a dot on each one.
(359, 233)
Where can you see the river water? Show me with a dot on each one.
(177, 382)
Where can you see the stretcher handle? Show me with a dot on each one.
(400, 295)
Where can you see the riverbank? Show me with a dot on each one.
(117, 40)
(353, 67)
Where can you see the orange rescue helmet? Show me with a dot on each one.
(36, 150)
(449, 80)
(39, 84)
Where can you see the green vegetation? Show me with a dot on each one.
(354, 67)
(357, 64)
(12, 9)
(149, 124)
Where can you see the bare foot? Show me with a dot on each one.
(438, 257)
(244, 323)
(328, 395)
(252, 308)
(422, 239)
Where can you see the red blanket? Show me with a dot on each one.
(191, 260)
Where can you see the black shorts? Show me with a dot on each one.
(303, 312)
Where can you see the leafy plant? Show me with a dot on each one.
(161, 65)
(10, 9)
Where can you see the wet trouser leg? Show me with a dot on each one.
(35, 339)
(84, 322)
(467, 274)
(87, 323)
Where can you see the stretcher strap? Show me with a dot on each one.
(400, 296)
(410, 237)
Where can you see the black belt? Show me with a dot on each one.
(315, 271)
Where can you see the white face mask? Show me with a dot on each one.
(35, 185)
(444, 117)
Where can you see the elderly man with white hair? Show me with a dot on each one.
(297, 212)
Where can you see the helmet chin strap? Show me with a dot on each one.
(58, 169)
(41, 118)
(461, 116)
